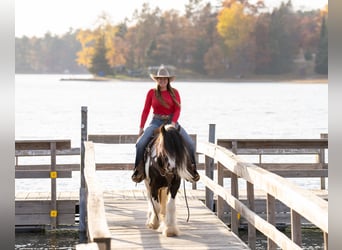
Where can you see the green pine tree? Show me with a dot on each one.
(99, 62)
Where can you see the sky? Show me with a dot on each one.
(37, 17)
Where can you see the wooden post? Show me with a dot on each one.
(251, 205)
(209, 171)
(270, 207)
(53, 176)
(321, 160)
(220, 201)
(235, 216)
(83, 191)
(234, 188)
(296, 228)
(326, 240)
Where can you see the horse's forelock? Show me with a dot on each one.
(170, 144)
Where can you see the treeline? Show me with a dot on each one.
(235, 39)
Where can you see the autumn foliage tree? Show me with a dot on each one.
(236, 25)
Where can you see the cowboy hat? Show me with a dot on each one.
(162, 72)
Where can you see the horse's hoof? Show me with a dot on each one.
(171, 232)
(152, 226)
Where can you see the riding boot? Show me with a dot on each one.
(139, 172)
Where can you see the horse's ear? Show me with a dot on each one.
(162, 129)
(179, 128)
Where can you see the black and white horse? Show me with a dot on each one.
(167, 162)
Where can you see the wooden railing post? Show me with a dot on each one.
(209, 171)
(321, 160)
(53, 176)
(220, 201)
(251, 206)
(296, 228)
(234, 188)
(270, 207)
(83, 192)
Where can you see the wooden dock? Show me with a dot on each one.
(126, 216)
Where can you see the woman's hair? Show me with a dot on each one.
(170, 90)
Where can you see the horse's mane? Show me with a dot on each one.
(169, 143)
(173, 144)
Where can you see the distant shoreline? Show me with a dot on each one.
(242, 80)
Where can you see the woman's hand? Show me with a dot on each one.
(141, 131)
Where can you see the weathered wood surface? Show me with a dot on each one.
(41, 144)
(19, 174)
(277, 146)
(126, 215)
(97, 223)
(119, 139)
(50, 211)
(37, 212)
(302, 201)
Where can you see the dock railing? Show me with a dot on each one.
(97, 228)
(302, 202)
(52, 212)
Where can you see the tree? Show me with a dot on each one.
(235, 25)
(263, 56)
(99, 63)
(283, 39)
(321, 61)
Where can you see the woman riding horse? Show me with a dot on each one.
(166, 104)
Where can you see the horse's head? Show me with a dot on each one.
(172, 153)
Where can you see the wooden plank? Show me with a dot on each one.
(19, 174)
(126, 219)
(291, 166)
(36, 196)
(40, 167)
(43, 206)
(97, 224)
(28, 212)
(43, 219)
(276, 151)
(41, 144)
(113, 139)
(47, 152)
(119, 139)
(274, 143)
(295, 173)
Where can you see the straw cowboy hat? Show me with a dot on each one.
(162, 72)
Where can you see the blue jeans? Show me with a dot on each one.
(145, 138)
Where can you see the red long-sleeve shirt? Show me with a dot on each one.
(158, 108)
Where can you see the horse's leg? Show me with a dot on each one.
(170, 227)
(153, 209)
(163, 195)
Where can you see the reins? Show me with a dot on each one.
(186, 201)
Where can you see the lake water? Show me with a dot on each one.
(47, 108)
